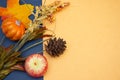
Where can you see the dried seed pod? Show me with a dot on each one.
(55, 47)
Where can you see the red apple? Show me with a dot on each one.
(36, 65)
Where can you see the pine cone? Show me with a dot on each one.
(55, 47)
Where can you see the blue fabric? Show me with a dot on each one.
(19, 75)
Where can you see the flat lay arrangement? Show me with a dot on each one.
(23, 32)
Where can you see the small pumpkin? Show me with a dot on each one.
(13, 28)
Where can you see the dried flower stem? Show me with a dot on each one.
(33, 45)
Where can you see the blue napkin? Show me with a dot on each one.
(19, 75)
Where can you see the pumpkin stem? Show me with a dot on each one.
(17, 22)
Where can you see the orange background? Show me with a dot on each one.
(92, 31)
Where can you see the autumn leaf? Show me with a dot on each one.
(21, 12)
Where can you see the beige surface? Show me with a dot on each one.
(92, 31)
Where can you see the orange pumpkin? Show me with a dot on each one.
(13, 28)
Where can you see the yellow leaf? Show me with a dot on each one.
(21, 12)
